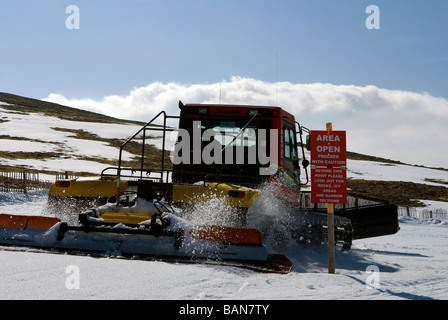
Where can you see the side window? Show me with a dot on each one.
(289, 142)
(293, 144)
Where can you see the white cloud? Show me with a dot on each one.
(399, 125)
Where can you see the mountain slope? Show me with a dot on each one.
(30, 105)
(50, 138)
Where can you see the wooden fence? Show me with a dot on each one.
(21, 182)
(423, 213)
(65, 175)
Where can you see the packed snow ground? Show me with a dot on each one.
(411, 264)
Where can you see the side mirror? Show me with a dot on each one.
(308, 146)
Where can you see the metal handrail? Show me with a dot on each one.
(143, 129)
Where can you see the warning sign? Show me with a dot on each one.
(328, 167)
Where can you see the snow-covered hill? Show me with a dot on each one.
(411, 264)
(51, 144)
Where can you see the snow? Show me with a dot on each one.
(411, 264)
(431, 205)
(368, 170)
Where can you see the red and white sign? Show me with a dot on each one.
(328, 167)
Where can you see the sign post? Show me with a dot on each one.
(329, 177)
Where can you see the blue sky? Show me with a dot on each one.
(125, 44)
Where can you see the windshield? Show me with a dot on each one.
(229, 132)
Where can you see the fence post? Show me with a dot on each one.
(25, 191)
